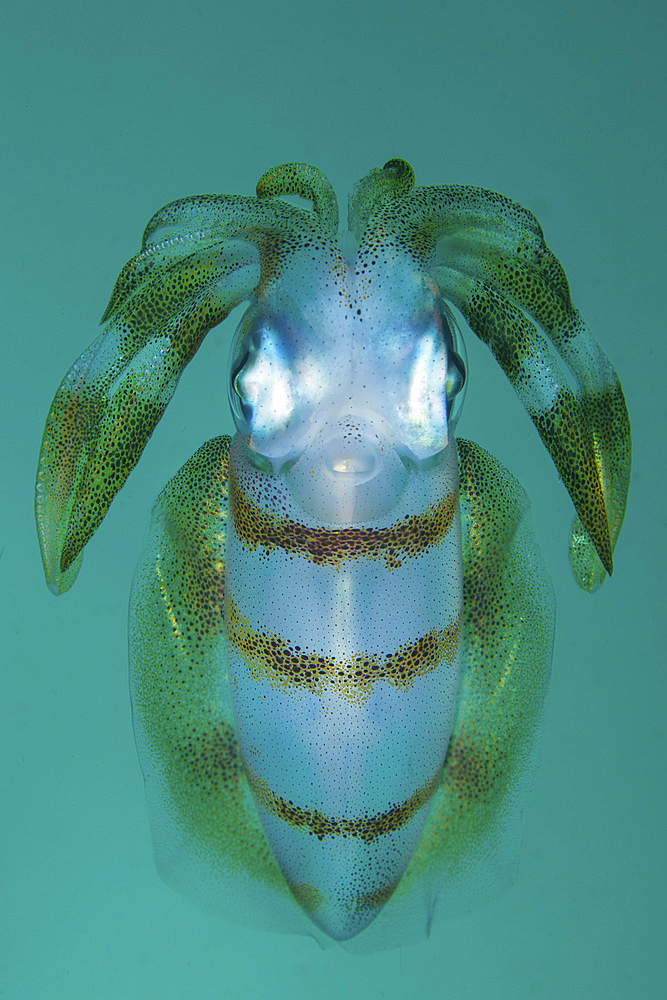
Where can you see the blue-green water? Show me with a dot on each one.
(108, 114)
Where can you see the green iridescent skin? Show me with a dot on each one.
(202, 256)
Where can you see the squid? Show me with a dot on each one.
(341, 626)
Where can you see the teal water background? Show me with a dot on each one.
(108, 113)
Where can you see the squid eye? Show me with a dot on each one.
(456, 367)
(261, 385)
(241, 408)
(281, 372)
(428, 381)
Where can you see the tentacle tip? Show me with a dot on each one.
(59, 581)
(399, 164)
(274, 180)
(589, 567)
(606, 558)
(262, 188)
(403, 171)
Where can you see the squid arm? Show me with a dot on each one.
(200, 257)
(489, 258)
(203, 255)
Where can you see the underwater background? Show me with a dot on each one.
(111, 111)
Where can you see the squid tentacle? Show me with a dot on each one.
(203, 255)
(204, 222)
(489, 258)
(200, 258)
(371, 194)
(543, 383)
(306, 182)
